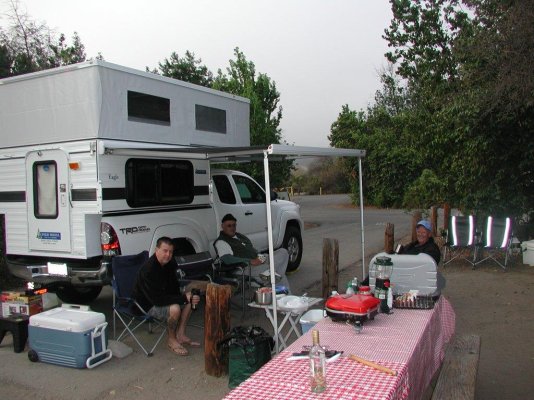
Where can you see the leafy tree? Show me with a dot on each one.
(27, 45)
(186, 68)
(265, 112)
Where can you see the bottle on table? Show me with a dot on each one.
(317, 365)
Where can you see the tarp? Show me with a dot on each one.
(247, 154)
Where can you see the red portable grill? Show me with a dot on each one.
(356, 307)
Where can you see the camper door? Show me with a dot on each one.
(48, 201)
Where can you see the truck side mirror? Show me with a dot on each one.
(274, 195)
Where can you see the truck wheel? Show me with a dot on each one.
(293, 244)
(78, 294)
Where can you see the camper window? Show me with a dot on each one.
(147, 108)
(44, 189)
(210, 119)
(159, 182)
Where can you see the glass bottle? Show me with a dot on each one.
(317, 365)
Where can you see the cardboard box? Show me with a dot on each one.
(19, 303)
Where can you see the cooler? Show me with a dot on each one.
(72, 336)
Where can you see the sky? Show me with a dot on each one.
(321, 54)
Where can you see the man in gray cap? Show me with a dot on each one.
(233, 247)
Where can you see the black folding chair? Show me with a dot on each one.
(233, 274)
(461, 239)
(496, 241)
(129, 312)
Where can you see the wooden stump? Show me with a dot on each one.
(446, 216)
(434, 220)
(216, 325)
(389, 238)
(330, 266)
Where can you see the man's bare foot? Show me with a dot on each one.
(187, 341)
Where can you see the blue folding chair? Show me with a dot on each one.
(461, 239)
(496, 241)
(129, 312)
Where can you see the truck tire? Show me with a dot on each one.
(293, 244)
(78, 294)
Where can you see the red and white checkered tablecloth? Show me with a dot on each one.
(412, 342)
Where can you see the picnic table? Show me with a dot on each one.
(410, 342)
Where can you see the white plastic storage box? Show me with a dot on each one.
(528, 252)
(310, 318)
(70, 335)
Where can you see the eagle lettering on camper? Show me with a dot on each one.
(135, 229)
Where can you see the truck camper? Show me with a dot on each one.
(99, 160)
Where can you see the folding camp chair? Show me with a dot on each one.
(233, 274)
(131, 314)
(496, 240)
(461, 239)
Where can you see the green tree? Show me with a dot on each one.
(27, 45)
(187, 68)
(265, 112)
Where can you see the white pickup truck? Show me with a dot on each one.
(193, 229)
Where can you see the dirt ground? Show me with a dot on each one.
(488, 301)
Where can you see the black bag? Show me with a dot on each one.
(248, 349)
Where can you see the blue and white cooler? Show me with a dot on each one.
(70, 335)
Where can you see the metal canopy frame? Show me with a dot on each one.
(245, 154)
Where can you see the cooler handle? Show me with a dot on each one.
(98, 332)
(78, 307)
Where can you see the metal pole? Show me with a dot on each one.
(271, 249)
(361, 217)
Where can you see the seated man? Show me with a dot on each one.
(233, 247)
(157, 290)
(424, 243)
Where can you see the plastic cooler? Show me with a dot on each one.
(310, 318)
(71, 335)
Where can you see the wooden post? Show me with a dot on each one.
(389, 238)
(216, 325)
(330, 266)
(417, 216)
(434, 220)
(446, 216)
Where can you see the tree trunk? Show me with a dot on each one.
(330, 266)
(216, 325)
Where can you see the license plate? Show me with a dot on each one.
(57, 269)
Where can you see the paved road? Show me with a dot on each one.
(167, 376)
(335, 218)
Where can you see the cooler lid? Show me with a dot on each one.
(68, 318)
(356, 303)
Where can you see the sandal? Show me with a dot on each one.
(178, 350)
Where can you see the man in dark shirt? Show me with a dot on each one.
(157, 290)
(233, 247)
(424, 243)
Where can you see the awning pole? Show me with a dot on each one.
(271, 249)
(361, 217)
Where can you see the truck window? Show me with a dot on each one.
(249, 191)
(224, 189)
(44, 189)
(159, 182)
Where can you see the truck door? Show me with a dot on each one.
(246, 203)
(47, 197)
